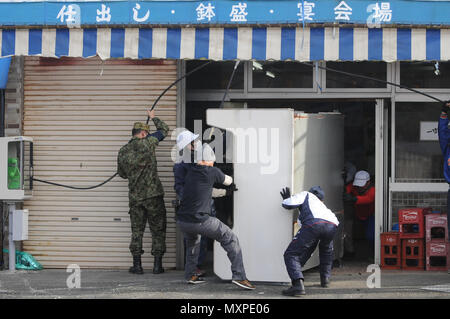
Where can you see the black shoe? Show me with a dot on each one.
(295, 290)
(157, 265)
(137, 266)
(325, 282)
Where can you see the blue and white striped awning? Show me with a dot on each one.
(242, 43)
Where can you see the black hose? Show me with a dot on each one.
(229, 84)
(373, 79)
(175, 82)
(148, 118)
(222, 103)
(225, 94)
(75, 187)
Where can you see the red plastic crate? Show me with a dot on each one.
(411, 222)
(436, 227)
(413, 254)
(438, 256)
(390, 250)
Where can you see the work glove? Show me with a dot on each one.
(230, 189)
(285, 193)
(349, 198)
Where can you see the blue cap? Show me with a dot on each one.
(318, 191)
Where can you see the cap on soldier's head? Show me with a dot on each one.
(141, 126)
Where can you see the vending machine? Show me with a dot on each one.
(270, 149)
(16, 185)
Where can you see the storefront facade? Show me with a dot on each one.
(287, 51)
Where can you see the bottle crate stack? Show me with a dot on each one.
(421, 242)
(412, 236)
(390, 250)
(437, 246)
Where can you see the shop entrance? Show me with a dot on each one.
(359, 144)
(359, 150)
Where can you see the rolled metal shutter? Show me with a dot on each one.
(80, 112)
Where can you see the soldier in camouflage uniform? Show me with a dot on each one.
(136, 162)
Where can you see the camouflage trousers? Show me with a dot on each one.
(153, 211)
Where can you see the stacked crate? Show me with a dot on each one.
(437, 247)
(412, 237)
(390, 250)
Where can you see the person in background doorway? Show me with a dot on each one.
(348, 175)
(444, 140)
(318, 225)
(362, 196)
(194, 219)
(136, 162)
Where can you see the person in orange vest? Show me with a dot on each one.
(362, 194)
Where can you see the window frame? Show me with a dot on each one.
(426, 90)
(389, 78)
(252, 89)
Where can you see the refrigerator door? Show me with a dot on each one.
(262, 154)
(319, 160)
(272, 149)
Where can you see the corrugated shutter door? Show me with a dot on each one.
(80, 112)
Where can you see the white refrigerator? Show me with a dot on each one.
(269, 150)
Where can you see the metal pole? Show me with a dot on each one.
(379, 164)
(12, 246)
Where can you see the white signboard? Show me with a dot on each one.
(429, 131)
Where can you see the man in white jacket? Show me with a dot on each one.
(318, 225)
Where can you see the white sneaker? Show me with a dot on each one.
(196, 280)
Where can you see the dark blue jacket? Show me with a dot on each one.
(444, 140)
(179, 171)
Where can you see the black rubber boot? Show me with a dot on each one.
(157, 265)
(325, 282)
(137, 266)
(297, 289)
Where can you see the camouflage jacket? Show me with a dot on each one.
(136, 162)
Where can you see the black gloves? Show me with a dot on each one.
(349, 198)
(230, 189)
(285, 193)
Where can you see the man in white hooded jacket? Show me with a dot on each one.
(318, 227)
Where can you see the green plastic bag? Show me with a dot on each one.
(25, 261)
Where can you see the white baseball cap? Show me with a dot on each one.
(361, 178)
(185, 138)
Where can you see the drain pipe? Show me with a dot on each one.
(4, 70)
